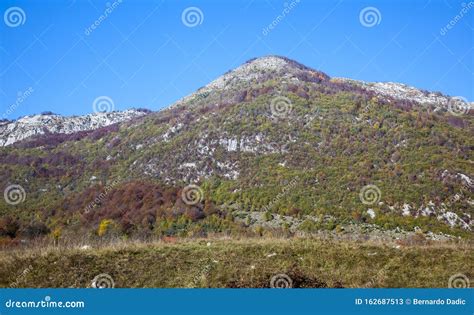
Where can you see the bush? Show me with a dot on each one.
(56, 234)
(268, 216)
(9, 227)
(309, 226)
(104, 227)
(36, 229)
(330, 225)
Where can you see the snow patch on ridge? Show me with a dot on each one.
(28, 126)
(400, 91)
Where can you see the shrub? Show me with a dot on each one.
(104, 227)
(56, 234)
(9, 227)
(330, 225)
(47, 113)
(309, 226)
(268, 216)
(35, 229)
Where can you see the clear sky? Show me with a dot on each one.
(145, 54)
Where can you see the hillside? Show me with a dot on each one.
(272, 147)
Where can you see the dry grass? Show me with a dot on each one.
(239, 263)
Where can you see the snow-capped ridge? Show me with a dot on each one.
(32, 125)
(289, 71)
(401, 91)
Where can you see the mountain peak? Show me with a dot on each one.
(256, 71)
(269, 62)
(278, 63)
(275, 62)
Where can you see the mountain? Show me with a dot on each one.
(29, 126)
(272, 146)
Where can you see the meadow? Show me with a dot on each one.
(242, 263)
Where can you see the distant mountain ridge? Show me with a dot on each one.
(271, 145)
(28, 126)
(253, 70)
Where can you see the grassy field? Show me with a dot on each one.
(239, 263)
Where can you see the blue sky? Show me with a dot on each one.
(142, 54)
